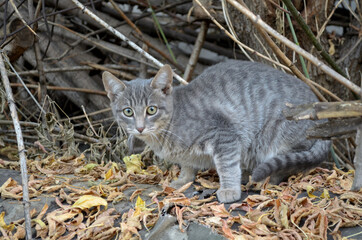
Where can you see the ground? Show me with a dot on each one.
(71, 197)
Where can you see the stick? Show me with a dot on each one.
(124, 38)
(330, 72)
(237, 41)
(56, 88)
(289, 63)
(196, 51)
(311, 36)
(323, 110)
(21, 148)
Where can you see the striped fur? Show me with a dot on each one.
(229, 118)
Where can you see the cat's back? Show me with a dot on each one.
(246, 79)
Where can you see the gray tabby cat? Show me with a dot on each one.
(229, 118)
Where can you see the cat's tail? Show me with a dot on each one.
(294, 161)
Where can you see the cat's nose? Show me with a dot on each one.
(140, 129)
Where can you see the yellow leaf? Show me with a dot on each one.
(90, 166)
(3, 224)
(133, 163)
(87, 168)
(310, 190)
(108, 174)
(40, 223)
(141, 207)
(115, 166)
(325, 194)
(332, 49)
(88, 201)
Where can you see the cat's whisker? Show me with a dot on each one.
(166, 139)
(165, 132)
(153, 134)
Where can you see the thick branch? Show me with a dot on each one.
(323, 110)
(335, 128)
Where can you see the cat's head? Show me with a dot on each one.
(142, 107)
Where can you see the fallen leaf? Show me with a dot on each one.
(3, 225)
(133, 163)
(310, 190)
(325, 194)
(219, 210)
(88, 201)
(208, 184)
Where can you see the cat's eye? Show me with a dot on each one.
(128, 112)
(151, 110)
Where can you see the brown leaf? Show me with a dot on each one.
(219, 210)
(208, 184)
(226, 230)
(180, 220)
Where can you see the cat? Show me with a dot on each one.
(229, 118)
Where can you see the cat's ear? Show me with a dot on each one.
(112, 85)
(163, 80)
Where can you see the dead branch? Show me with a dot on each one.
(330, 72)
(21, 148)
(237, 41)
(196, 51)
(124, 38)
(335, 129)
(323, 110)
(56, 88)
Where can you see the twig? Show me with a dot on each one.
(196, 51)
(124, 16)
(124, 38)
(159, 28)
(327, 20)
(357, 181)
(311, 36)
(80, 68)
(89, 114)
(56, 88)
(109, 47)
(89, 122)
(36, 20)
(115, 72)
(21, 17)
(335, 75)
(350, 50)
(289, 63)
(302, 62)
(56, 129)
(21, 148)
(231, 27)
(237, 41)
(22, 82)
(142, 38)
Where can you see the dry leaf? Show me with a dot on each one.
(3, 225)
(208, 184)
(133, 163)
(88, 201)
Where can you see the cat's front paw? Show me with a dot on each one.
(228, 195)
